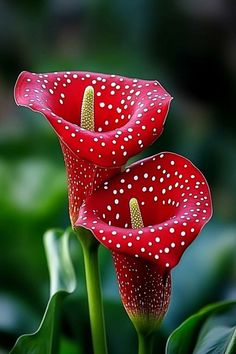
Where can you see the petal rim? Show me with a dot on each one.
(131, 146)
(146, 229)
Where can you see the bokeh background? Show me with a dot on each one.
(190, 47)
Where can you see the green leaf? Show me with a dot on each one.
(69, 347)
(62, 282)
(211, 330)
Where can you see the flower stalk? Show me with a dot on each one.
(90, 247)
(145, 343)
(167, 184)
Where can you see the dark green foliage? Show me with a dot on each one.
(189, 47)
(210, 331)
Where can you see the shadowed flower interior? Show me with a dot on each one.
(129, 114)
(174, 201)
(101, 121)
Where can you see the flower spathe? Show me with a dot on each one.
(175, 203)
(129, 115)
(145, 292)
(123, 108)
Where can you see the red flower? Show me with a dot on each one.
(125, 116)
(175, 203)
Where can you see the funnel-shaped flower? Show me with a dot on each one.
(173, 199)
(101, 120)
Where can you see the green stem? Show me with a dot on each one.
(231, 348)
(145, 343)
(90, 248)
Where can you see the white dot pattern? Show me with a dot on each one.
(83, 179)
(144, 291)
(171, 219)
(128, 113)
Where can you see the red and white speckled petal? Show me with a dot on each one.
(145, 292)
(175, 204)
(129, 113)
(83, 179)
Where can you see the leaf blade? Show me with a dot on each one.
(62, 283)
(183, 339)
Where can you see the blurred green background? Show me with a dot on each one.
(190, 47)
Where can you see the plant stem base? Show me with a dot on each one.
(90, 247)
(145, 343)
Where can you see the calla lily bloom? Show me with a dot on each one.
(101, 121)
(147, 216)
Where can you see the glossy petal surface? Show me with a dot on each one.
(145, 292)
(129, 114)
(175, 203)
(83, 179)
